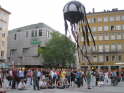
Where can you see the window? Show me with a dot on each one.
(13, 52)
(105, 28)
(3, 43)
(101, 59)
(119, 47)
(112, 18)
(95, 37)
(93, 48)
(122, 17)
(48, 33)
(117, 18)
(100, 48)
(93, 29)
(106, 48)
(89, 20)
(122, 27)
(35, 32)
(26, 34)
(14, 36)
(106, 37)
(100, 28)
(82, 38)
(113, 58)
(40, 32)
(119, 36)
(118, 27)
(107, 58)
(94, 20)
(122, 36)
(32, 34)
(112, 36)
(2, 53)
(112, 27)
(119, 58)
(100, 37)
(3, 34)
(25, 51)
(94, 58)
(90, 38)
(99, 19)
(113, 47)
(105, 19)
(0, 28)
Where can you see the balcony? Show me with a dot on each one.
(106, 52)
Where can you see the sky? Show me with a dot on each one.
(50, 12)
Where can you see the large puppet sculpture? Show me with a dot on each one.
(75, 14)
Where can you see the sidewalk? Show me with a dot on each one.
(105, 89)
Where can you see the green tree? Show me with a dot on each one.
(59, 51)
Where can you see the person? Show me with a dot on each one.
(114, 78)
(21, 85)
(43, 84)
(106, 79)
(50, 84)
(15, 78)
(73, 75)
(60, 85)
(35, 80)
(101, 78)
(0, 78)
(93, 79)
(97, 77)
(78, 78)
(88, 78)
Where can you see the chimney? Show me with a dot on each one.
(93, 10)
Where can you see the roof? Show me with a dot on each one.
(32, 26)
(105, 12)
(4, 10)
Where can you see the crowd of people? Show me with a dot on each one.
(40, 78)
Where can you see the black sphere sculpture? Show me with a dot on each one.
(75, 14)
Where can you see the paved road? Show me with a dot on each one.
(105, 89)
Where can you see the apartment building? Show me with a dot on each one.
(108, 31)
(4, 17)
(23, 44)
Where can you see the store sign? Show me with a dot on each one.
(35, 42)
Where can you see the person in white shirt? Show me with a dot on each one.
(21, 85)
(106, 78)
(43, 84)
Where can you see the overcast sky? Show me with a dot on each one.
(50, 12)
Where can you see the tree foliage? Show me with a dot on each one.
(59, 51)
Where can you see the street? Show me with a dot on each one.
(104, 89)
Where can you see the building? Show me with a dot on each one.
(4, 17)
(23, 44)
(108, 31)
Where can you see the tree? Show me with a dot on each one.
(59, 51)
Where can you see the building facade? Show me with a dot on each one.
(108, 31)
(4, 17)
(23, 44)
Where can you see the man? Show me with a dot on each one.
(35, 80)
(88, 78)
